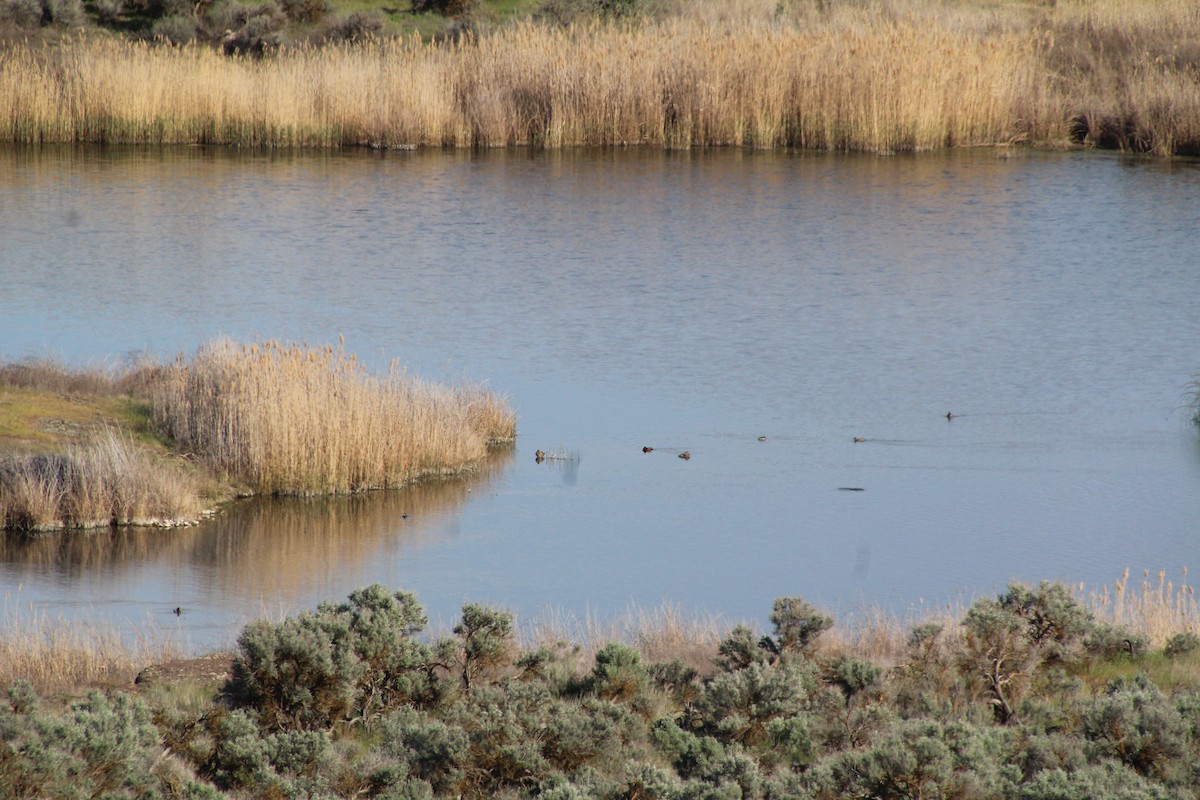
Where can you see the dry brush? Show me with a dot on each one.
(880, 76)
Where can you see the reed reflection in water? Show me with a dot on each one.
(258, 557)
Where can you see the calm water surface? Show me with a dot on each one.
(683, 301)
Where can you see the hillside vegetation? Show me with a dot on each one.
(1029, 695)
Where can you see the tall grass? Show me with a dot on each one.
(46, 373)
(664, 633)
(58, 655)
(273, 418)
(300, 420)
(110, 481)
(1156, 607)
(880, 75)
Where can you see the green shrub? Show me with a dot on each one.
(1010, 638)
(552, 665)
(797, 626)
(739, 706)
(287, 762)
(1105, 781)
(648, 782)
(98, 747)
(690, 755)
(412, 789)
(445, 8)
(21, 14)
(679, 681)
(855, 676)
(109, 11)
(1181, 644)
(433, 751)
(506, 726)
(740, 649)
(1109, 641)
(1051, 612)
(239, 757)
(344, 662)
(565, 12)
(487, 643)
(913, 761)
(1038, 752)
(619, 673)
(919, 758)
(178, 29)
(928, 682)
(357, 26)
(593, 733)
(63, 12)
(1133, 723)
(346, 702)
(252, 29)
(306, 11)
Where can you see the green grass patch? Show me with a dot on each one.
(45, 420)
(1171, 674)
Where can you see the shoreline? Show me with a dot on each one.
(165, 445)
(866, 80)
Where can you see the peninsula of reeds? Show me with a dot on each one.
(291, 419)
(156, 443)
(871, 75)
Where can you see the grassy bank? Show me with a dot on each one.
(880, 75)
(1034, 694)
(157, 443)
(77, 451)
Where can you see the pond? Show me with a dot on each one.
(625, 299)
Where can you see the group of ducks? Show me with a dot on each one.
(540, 455)
(685, 455)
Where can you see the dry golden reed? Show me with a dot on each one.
(883, 76)
(109, 481)
(664, 633)
(289, 419)
(46, 373)
(1156, 608)
(58, 655)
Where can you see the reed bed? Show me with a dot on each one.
(300, 420)
(111, 481)
(58, 655)
(1157, 607)
(882, 76)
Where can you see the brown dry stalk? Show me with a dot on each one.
(882, 76)
(58, 655)
(291, 419)
(108, 481)
(1156, 608)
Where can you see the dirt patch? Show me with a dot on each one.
(215, 669)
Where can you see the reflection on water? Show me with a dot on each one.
(261, 555)
(684, 301)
